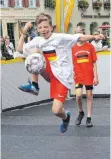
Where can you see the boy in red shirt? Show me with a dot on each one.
(85, 73)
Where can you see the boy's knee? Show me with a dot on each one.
(78, 98)
(56, 111)
(57, 107)
(90, 97)
(45, 75)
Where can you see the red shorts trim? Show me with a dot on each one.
(57, 89)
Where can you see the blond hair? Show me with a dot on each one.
(7, 37)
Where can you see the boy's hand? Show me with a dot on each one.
(27, 26)
(96, 81)
(99, 37)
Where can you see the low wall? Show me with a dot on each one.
(13, 74)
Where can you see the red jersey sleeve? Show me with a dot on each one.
(93, 53)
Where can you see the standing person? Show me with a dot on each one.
(85, 74)
(55, 48)
(98, 43)
(9, 46)
(4, 53)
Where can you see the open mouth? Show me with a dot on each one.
(45, 34)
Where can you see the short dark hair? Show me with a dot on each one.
(43, 17)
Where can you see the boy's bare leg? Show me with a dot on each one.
(89, 102)
(58, 110)
(33, 86)
(35, 78)
(79, 92)
(45, 75)
(89, 108)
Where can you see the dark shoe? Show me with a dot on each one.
(65, 124)
(89, 123)
(79, 118)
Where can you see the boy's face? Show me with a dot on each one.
(44, 29)
(79, 30)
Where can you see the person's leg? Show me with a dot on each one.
(79, 92)
(34, 78)
(58, 110)
(32, 86)
(79, 98)
(89, 102)
(46, 75)
(59, 93)
(89, 95)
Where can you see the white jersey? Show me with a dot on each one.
(61, 44)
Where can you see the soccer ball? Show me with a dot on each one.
(35, 63)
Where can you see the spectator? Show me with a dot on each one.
(98, 44)
(106, 41)
(3, 49)
(9, 46)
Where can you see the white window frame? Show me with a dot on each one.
(18, 3)
(32, 2)
(5, 4)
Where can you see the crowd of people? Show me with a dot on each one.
(7, 47)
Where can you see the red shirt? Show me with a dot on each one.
(83, 58)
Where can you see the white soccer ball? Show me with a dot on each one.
(35, 63)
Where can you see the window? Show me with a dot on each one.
(10, 29)
(3, 3)
(1, 31)
(18, 3)
(32, 3)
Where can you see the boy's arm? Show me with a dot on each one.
(96, 80)
(23, 35)
(30, 47)
(91, 37)
(69, 40)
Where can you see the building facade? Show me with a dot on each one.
(16, 12)
(91, 14)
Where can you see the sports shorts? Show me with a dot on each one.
(88, 87)
(57, 89)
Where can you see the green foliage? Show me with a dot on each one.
(50, 4)
(97, 5)
(107, 5)
(83, 4)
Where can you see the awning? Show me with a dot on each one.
(105, 26)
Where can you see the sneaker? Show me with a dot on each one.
(79, 118)
(65, 124)
(30, 88)
(88, 122)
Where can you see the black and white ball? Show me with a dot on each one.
(35, 63)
